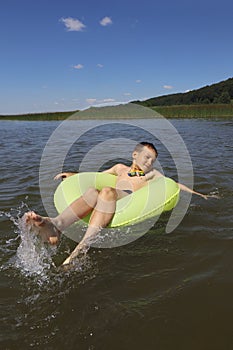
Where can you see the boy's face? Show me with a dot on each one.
(144, 159)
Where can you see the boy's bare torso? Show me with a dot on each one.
(125, 182)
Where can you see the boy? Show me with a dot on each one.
(102, 203)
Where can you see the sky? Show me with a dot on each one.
(65, 55)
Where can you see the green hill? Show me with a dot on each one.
(219, 93)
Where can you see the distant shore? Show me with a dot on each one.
(196, 111)
(39, 116)
(170, 112)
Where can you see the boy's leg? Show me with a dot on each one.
(50, 229)
(77, 210)
(100, 218)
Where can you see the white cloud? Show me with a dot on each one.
(78, 66)
(72, 24)
(95, 101)
(127, 94)
(105, 21)
(91, 100)
(138, 81)
(99, 65)
(167, 87)
(107, 100)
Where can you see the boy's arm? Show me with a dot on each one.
(113, 171)
(187, 189)
(155, 173)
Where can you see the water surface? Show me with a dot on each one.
(161, 291)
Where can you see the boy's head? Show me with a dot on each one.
(140, 146)
(144, 155)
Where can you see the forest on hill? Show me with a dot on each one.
(219, 93)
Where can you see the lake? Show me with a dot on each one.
(162, 291)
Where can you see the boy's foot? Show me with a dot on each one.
(43, 226)
(81, 248)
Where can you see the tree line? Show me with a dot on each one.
(221, 93)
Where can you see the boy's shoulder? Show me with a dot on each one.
(152, 174)
(117, 169)
(121, 168)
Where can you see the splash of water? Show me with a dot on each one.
(34, 258)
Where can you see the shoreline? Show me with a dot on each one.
(224, 111)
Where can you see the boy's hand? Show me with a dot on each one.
(63, 176)
(206, 196)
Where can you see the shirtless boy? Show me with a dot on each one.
(102, 203)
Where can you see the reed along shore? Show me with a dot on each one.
(170, 112)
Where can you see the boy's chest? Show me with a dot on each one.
(135, 181)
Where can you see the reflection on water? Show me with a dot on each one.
(161, 291)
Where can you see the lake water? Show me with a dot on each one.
(162, 291)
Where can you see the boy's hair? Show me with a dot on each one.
(139, 147)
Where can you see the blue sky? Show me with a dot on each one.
(59, 55)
